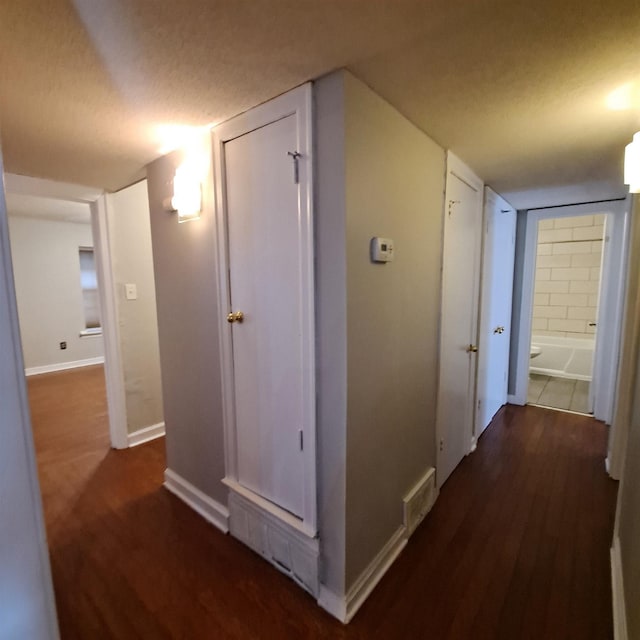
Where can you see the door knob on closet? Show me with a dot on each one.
(238, 316)
(472, 348)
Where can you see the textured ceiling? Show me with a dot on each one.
(92, 90)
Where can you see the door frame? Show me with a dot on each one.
(491, 200)
(96, 200)
(612, 278)
(297, 102)
(456, 167)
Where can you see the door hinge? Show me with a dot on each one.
(301, 436)
(441, 444)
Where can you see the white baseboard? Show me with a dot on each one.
(617, 588)
(344, 608)
(63, 366)
(144, 435)
(211, 510)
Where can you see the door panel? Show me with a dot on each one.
(459, 324)
(265, 284)
(496, 299)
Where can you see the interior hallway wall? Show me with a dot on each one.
(132, 262)
(377, 325)
(46, 267)
(394, 188)
(185, 268)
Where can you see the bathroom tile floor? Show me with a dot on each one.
(558, 393)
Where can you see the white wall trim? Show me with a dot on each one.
(63, 366)
(146, 434)
(113, 366)
(344, 608)
(617, 588)
(211, 510)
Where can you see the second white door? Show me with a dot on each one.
(496, 296)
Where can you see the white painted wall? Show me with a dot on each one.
(27, 608)
(132, 262)
(47, 279)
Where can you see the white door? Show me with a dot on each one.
(459, 321)
(265, 266)
(495, 316)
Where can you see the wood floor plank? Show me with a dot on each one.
(517, 545)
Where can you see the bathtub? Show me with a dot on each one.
(563, 357)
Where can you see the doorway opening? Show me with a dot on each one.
(567, 288)
(571, 300)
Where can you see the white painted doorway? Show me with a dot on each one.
(496, 297)
(265, 226)
(459, 320)
(609, 307)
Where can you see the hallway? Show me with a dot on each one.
(517, 545)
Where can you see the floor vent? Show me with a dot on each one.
(418, 502)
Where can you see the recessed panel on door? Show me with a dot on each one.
(265, 286)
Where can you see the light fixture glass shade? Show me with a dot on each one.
(187, 194)
(632, 164)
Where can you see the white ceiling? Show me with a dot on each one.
(92, 91)
(29, 206)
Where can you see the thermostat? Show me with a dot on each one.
(381, 249)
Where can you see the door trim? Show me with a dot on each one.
(611, 293)
(298, 103)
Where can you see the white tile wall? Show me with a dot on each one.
(567, 275)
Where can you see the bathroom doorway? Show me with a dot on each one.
(570, 288)
(565, 312)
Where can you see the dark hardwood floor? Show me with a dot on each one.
(517, 545)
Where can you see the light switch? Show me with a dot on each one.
(131, 291)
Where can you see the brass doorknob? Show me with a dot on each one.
(238, 316)
(472, 348)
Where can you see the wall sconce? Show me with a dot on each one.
(187, 194)
(632, 164)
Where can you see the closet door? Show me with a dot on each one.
(265, 242)
(264, 268)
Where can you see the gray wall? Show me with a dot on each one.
(47, 277)
(394, 188)
(26, 594)
(186, 295)
(132, 262)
